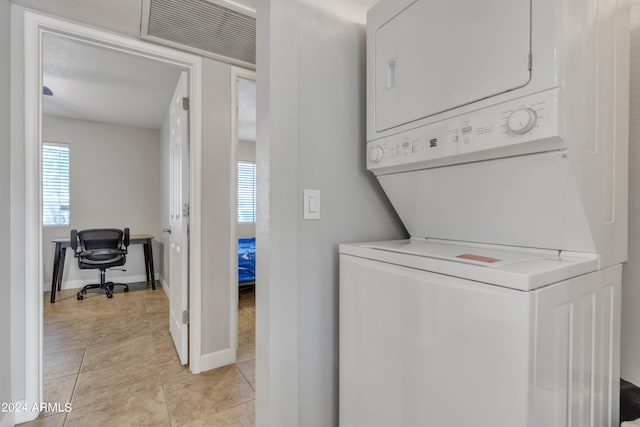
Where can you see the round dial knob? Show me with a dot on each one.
(376, 154)
(522, 121)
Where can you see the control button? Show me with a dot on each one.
(521, 121)
(376, 154)
(467, 129)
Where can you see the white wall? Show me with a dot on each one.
(247, 150)
(114, 183)
(121, 16)
(630, 354)
(5, 245)
(311, 108)
(17, 204)
(217, 216)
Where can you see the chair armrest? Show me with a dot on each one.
(125, 241)
(74, 241)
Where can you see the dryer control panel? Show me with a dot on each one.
(521, 126)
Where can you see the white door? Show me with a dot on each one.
(179, 219)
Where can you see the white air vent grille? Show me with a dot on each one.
(202, 26)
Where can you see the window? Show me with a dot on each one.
(246, 192)
(55, 184)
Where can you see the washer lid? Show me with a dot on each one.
(436, 55)
(517, 268)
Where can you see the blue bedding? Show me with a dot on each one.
(246, 260)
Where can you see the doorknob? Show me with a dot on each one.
(166, 230)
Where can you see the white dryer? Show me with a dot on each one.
(498, 130)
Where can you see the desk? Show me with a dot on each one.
(62, 243)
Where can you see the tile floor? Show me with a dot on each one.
(114, 361)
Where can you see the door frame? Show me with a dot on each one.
(35, 26)
(235, 74)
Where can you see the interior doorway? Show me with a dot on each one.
(99, 103)
(36, 28)
(243, 89)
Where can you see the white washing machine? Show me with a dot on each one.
(498, 130)
(439, 334)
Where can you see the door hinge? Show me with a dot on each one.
(185, 317)
(530, 65)
(185, 210)
(185, 104)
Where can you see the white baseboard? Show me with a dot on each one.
(216, 359)
(6, 419)
(165, 287)
(77, 284)
(20, 417)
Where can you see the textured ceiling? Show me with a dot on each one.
(104, 85)
(348, 10)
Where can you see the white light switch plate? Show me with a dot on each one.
(311, 204)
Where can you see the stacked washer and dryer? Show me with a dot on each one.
(499, 131)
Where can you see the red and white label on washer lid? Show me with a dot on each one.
(479, 258)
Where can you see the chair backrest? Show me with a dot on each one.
(101, 238)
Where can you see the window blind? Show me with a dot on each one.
(55, 184)
(246, 192)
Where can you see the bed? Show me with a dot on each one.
(246, 261)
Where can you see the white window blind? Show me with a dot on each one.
(55, 184)
(246, 192)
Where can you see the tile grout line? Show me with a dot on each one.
(158, 373)
(164, 396)
(245, 377)
(146, 304)
(73, 391)
(75, 384)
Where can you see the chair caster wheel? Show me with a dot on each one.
(109, 296)
(79, 297)
(126, 289)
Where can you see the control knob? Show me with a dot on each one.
(376, 154)
(522, 120)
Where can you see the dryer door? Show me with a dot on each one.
(437, 55)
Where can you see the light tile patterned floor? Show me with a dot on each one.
(114, 361)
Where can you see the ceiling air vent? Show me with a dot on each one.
(201, 26)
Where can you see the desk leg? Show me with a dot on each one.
(54, 278)
(148, 261)
(63, 256)
(145, 249)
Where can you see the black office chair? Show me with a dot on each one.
(100, 249)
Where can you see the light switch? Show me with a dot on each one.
(311, 204)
